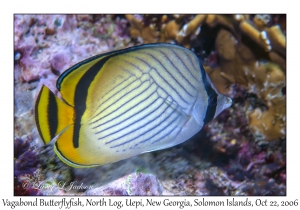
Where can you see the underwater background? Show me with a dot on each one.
(241, 152)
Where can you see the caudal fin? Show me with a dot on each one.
(52, 115)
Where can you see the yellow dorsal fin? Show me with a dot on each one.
(71, 83)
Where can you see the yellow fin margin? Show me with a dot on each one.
(66, 151)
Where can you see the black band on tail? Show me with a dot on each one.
(212, 98)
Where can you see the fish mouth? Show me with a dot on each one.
(228, 102)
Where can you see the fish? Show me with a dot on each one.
(127, 102)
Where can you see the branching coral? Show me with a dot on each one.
(262, 75)
(238, 64)
(160, 28)
(139, 29)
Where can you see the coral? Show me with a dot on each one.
(45, 45)
(159, 28)
(262, 161)
(138, 183)
(20, 190)
(257, 64)
(25, 165)
(141, 183)
(59, 62)
(181, 28)
(25, 157)
(50, 162)
(138, 29)
(20, 147)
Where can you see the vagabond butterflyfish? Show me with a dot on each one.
(127, 102)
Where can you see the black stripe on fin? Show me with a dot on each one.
(52, 114)
(212, 98)
(37, 116)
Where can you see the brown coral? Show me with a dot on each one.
(139, 30)
(161, 28)
(239, 63)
